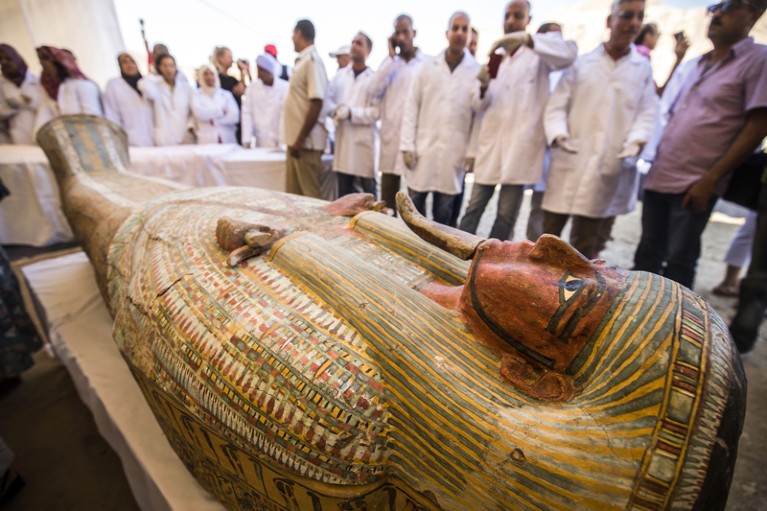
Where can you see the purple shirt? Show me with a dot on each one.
(707, 115)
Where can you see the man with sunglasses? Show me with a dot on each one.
(600, 115)
(717, 120)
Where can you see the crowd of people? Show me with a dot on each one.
(535, 114)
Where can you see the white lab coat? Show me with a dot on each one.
(131, 111)
(356, 138)
(172, 110)
(215, 117)
(391, 84)
(600, 105)
(262, 113)
(437, 124)
(512, 142)
(18, 111)
(79, 96)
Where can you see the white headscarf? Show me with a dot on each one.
(268, 63)
(210, 91)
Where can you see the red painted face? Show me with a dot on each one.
(544, 300)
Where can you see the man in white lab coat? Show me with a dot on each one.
(262, 104)
(597, 120)
(512, 142)
(391, 85)
(354, 109)
(125, 105)
(437, 124)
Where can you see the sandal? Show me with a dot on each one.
(726, 290)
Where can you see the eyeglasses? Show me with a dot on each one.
(729, 5)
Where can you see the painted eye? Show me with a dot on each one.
(570, 286)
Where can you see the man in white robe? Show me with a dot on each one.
(214, 110)
(512, 142)
(126, 106)
(391, 85)
(171, 99)
(354, 109)
(262, 105)
(597, 120)
(437, 123)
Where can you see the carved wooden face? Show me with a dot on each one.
(543, 299)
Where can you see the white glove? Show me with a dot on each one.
(410, 159)
(563, 143)
(510, 42)
(630, 150)
(484, 76)
(342, 113)
(468, 164)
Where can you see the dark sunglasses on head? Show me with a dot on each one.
(630, 15)
(729, 5)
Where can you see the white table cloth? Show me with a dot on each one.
(32, 214)
(80, 332)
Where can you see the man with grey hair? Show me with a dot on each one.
(598, 118)
(437, 123)
(718, 119)
(512, 143)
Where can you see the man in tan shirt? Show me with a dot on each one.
(305, 136)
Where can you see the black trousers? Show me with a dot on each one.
(753, 288)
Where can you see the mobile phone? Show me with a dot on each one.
(494, 64)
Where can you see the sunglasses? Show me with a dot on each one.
(729, 5)
(630, 15)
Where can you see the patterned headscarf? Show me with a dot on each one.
(18, 74)
(66, 67)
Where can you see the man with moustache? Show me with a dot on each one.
(391, 84)
(717, 120)
(598, 118)
(512, 142)
(437, 123)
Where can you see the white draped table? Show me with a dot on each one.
(32, 214)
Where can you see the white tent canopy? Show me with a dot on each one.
(88, 28)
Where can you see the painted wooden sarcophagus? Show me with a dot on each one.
(304, 355)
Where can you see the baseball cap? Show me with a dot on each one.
(271, 50)
(343, 50)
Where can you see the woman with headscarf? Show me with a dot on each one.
(171, 98)
(73, 92)
(19, 98)
(215, 112)
(262, 104)
(124, 103)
